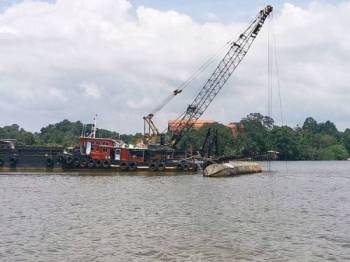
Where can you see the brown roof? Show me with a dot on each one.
(175, 124)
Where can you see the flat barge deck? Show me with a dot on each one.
(93, 155)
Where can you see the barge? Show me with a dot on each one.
(14, 156)
(107, 153)
(94, 154)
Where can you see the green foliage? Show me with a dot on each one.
(64, 133)
(15, 132)
(255, 138)
(257, 135)
(333, 152)
(346, 139)
(103, 133)
(285, 141)
(195, 139)
(127, 138)
(310, 125)
(314, 141)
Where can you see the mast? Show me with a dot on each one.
(94, 127)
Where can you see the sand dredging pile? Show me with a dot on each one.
(232, 168)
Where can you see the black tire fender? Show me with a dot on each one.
(132, 166)
(69, 160)
(184, 166)
(13, 161)
(49, 162)
(124, 166)
(76, 162)
(161, 166)
(106, 164)
(83, 163)
(154, 166)
(98, 163)
(91, 163)
(60, 159)
(179, 166)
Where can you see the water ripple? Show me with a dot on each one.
(298, 214)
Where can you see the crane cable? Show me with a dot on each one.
(278, 78)
(278, 83)
(190, 79)
(269, 79)
(274, 78)
(232, 42)
(194, 76)
(274, 73)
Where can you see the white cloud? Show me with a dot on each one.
(73, 59)
(91, 90)
(139, 104)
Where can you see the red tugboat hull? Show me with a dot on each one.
(108, 154)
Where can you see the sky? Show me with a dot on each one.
(69, 59)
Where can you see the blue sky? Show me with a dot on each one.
(202, 10)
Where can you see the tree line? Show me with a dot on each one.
(64, 133)
(259, 134)
(312, 141)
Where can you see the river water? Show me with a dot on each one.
(300, 211)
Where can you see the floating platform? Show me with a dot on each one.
(55, 159)
(232, 168)
(58, 169)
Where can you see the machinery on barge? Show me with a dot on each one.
(106, 153)
(157, 152)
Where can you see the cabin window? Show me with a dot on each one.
(136, 153)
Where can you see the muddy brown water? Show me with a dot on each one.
(300, 211)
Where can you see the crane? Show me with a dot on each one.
(233, 57)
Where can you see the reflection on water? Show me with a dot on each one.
(298, 212)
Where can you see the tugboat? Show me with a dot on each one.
(92, 154)
(109, 154)
(106, 153)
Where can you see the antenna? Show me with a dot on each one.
(94, 128)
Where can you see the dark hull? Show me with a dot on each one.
(30, 157)
(122, 166)
(53, 159)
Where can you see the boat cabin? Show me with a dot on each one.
(109, 149)
(98, 148)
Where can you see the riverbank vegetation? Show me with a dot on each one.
(259, 134)
(311, 141)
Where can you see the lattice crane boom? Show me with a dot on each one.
(221, 74)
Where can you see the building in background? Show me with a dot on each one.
(174, 125)
(235, 127)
